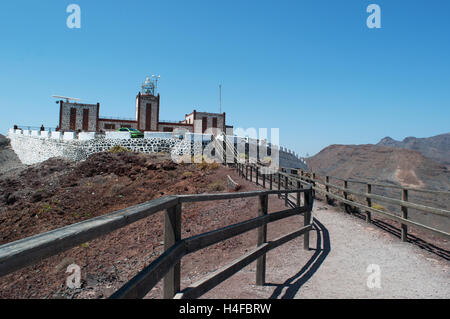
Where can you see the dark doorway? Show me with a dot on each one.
(86, 120)
(73, 118)
(148, 117)
(204, 124)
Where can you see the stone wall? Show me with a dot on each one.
(31, 150)
(34, 147)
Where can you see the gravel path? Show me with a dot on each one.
(339, 269)
(350, 245)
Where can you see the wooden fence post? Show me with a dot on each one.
(345, 187)
(327, 180)
(404, 215)
(307, 218)
(262, 238)
(314, 183)
(264, 179)
(224, 147)
(369, 203)
(246, 172)
(256, 173)
(271, 181)
(251, 173)
(172, 234)
(279, 184)
(286, 187)
(299, 185)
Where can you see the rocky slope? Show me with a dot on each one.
(435, 147)
(8, 159)
(382, 164)
(58, 192)
(388, 165)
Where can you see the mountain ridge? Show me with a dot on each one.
(435, 147)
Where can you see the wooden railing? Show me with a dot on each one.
(287, 180)
(28, 251)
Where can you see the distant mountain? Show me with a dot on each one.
(435, 147)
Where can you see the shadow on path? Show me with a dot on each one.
(294, 283)
(411, 238)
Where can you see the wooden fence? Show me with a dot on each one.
(28, 251)
(287, 180)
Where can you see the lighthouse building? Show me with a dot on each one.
(85, 117)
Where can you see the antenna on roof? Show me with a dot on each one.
(220, 98)
(66, 98)
(156, 77)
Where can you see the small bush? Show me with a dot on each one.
(172, 174)
(118, 149)
(45, 208)
(216, 186)
(243, 156)
(188, 174)
(378, 206)
(208, 166)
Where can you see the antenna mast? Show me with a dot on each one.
(66, 98)
(220, 98)
(156, 77)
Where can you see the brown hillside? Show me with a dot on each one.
(382, 164)
(388, 165)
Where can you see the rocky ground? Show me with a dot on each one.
(57, 192)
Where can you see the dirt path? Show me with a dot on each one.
(339, 267)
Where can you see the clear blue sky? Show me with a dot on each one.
(311, 68)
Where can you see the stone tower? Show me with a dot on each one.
(147, 107)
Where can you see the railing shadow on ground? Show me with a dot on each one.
(393, 230)
(293, 284)
(397, 232)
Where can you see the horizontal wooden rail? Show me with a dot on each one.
(403, 203)
(27, 251)
(383, 185)
(223, 196)
(391, 216)
(212, 280)
(204, 240)
(433, 210)
(145, 280)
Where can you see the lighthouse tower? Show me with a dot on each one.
(147, 107)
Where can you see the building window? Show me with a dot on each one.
(168, 129)
(73, 119)
(85, 119)
(110, 126)
(214, 123)
(204, 124)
